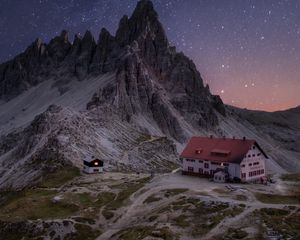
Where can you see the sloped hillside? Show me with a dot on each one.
(130, 99)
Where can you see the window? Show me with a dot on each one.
(200, 170)
(258, 154)
(250, 164)
(249, 155)
(262, 171)
(190, 160)
(250, 174)
(253, 155)
(190, 169)
(211, 172)
(200, 161)
(243, 175)
(215, 163)
(253, 147)
(206, 165)
(256, 163)
(243, 165)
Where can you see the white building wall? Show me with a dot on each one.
(91, 169)
(249, 164)
(233, 169)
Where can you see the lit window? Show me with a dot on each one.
(96, 163)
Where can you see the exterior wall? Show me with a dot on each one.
(92, 169)
(194, 166)
(253, 165)
(220, 177)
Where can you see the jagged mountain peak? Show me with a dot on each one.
(145, 10)
(141, 35)
(143, 21)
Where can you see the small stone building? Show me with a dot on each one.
(92, 165)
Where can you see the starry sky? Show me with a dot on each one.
(248, 51)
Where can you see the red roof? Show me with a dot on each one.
(218, 149)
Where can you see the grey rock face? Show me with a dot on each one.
(152, 79)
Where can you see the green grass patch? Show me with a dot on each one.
(108, 214)
(220, 190)
(240, 197)
(141, 232)
(203, 216)
(86, 200)
(34, 204)
(293, 177)
(234, 233)
(181, 221)
(174, 191)
(152, 199)
(143, 138)
(125, 193)
(58, 178)
(276, 198)
(282, 221)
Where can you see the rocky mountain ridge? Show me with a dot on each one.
(130, 99)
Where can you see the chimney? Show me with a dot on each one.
(244, 138)
(211, 136)
(233, 137)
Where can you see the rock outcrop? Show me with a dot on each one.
(144, 61)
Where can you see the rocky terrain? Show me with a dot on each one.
(130, 99)
(167, 206)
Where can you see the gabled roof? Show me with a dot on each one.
(219, 149)
(89, 158)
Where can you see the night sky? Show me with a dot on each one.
(247, 51)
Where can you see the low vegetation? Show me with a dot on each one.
(83, 232)
(196, 217)
(58, 178)
(174, 191)
(234, 233)
(276, 198)
(152, 199)
(120, 200)
(293, 177)
(181, 221)
(17, 207)
(281, 221)
(141, 232)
